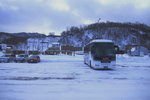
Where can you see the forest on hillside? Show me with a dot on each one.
(16, 38)
(121, 33)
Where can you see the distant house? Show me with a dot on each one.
(138, 51)
(9, 49)
(71, 48)
(6, 48)
(56, 48)
(53, 49)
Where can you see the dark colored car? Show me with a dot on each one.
(21, 58)
(7, 58)
(33, 59)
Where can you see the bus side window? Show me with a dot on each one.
(92, 49)
(85, 49)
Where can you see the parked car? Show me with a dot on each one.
(7, 58)
(21, 58)
(33, 59)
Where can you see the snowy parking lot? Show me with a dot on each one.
(63, 77)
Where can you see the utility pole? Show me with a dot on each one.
(98, 20)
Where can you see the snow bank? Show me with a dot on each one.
(133, 60)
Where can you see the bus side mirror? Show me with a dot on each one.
(116, 49)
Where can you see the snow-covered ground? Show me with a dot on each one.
(63, 77)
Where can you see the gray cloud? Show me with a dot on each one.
(56, 15)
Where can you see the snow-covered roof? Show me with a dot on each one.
(101, 40)
(55, 43)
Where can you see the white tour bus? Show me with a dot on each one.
(100, 54)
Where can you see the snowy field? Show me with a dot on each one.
(63, 77)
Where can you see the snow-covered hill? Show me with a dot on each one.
(121, 33)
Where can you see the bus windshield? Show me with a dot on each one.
(100, 50)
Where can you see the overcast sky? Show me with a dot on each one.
(46, 16)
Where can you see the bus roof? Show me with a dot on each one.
(101, 40)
